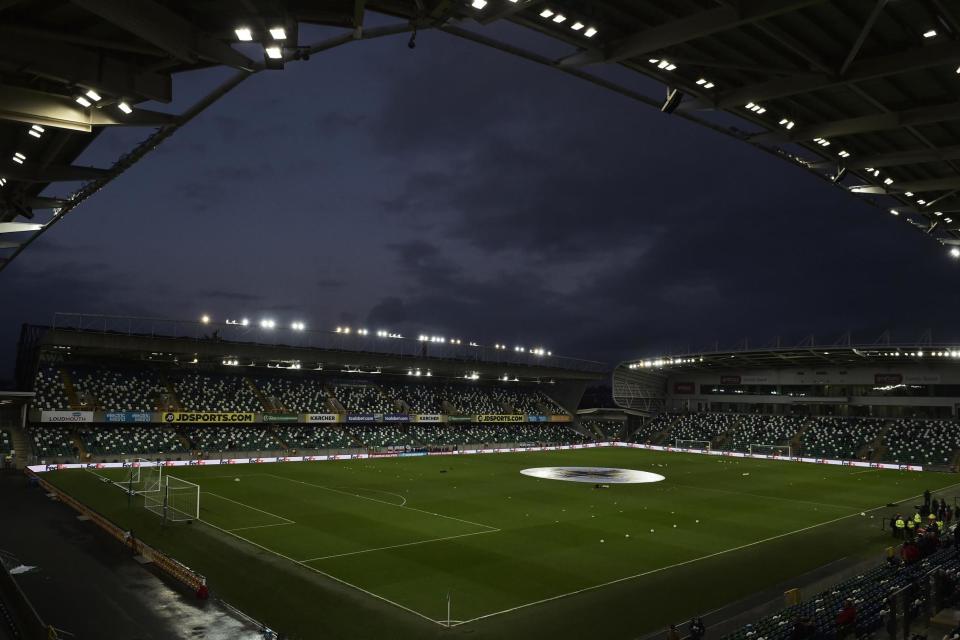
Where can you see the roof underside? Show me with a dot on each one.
(861, 93)
(806, 356)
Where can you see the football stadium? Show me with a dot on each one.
(241, 473)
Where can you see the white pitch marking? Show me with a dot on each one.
(757, 495)
(389, 493)
(323, 573)
(397, 546)
(864, 471)
(685, 562)
(261, 526)
(217, 495)
(392, 504)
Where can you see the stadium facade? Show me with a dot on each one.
(884, 381)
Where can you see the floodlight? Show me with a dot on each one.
(126, 108)
(205, 319)
(559, 18)
(273, 52)
(546, 13)
(243, 34)
(932, 33)
(590, 32)
(93, 95)
(955, 252)
(278, 33)
(244, 322)
(576, 26)
(82, 101)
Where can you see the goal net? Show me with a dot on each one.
(142, 477)
(176, 500)
(778, 450)
(693, 444)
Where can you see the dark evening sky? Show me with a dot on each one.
(458, 190)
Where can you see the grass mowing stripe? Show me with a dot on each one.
(392, 504)
(261, 526)
(757, 495)
(273, 515)
(686, 562)
(323, 573)
(397, 546)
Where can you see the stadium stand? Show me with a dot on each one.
(922, 441)
(753, 429)
(381, 436)
(54, 442)
(871, 593)
(646, 432)
(363, 399)
(232, 438)
(306, 395)
(420, 398)
(116, 390)
(311, 437)
(838, 438)
(205, 392)
(701, 426)
(608, 429)
(130, 440)
(50, 394)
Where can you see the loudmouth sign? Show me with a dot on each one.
(321, 417)
(66, 416)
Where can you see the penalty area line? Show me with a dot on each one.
(324, 573)
(392, 504)
(399, 546)
(685, 562)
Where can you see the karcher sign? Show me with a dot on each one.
(321, 417)
(506, 417)
(66, 416)
(183, 416)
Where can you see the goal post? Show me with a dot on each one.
(777, 450)
(703, 445)
(176, 500)
(141, 477)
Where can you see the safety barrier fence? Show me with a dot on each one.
(25, 618)
(165, 563)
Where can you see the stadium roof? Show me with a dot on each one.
(863, 95)
(805, 356)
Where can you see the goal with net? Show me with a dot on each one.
(703, 445)
(777, 450)
(175, 500)
(143, 476)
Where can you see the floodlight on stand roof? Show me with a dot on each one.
(559, 18)
(577, 26)
(93, 95)
(34, 133)
(478, 4)
(279, 33)
(273, 52)
(894, 212)
(546, 13)
(244, 34)
(590, 32)
(126, 108)
(931, 33)
(82, 101)
(888, 181)
(909, 194)
(843, 153)
(19, 157)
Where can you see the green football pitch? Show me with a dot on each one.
(364, 548)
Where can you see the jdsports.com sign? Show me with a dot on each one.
(183, 416)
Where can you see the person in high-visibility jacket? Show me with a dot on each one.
(898, 528)
(917, 520)
(940, 526)
(911, 529)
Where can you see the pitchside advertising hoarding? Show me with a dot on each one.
(561, 419)
(280, 417)
(128, 416)
(362, 417)
(40, 468)
(501, 417)
(207, 417)
(321, 417)
(428, 417)
(396, 417)
(460, 418)
(536, 418)
(66, 416)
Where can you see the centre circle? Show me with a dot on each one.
(605, 475)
